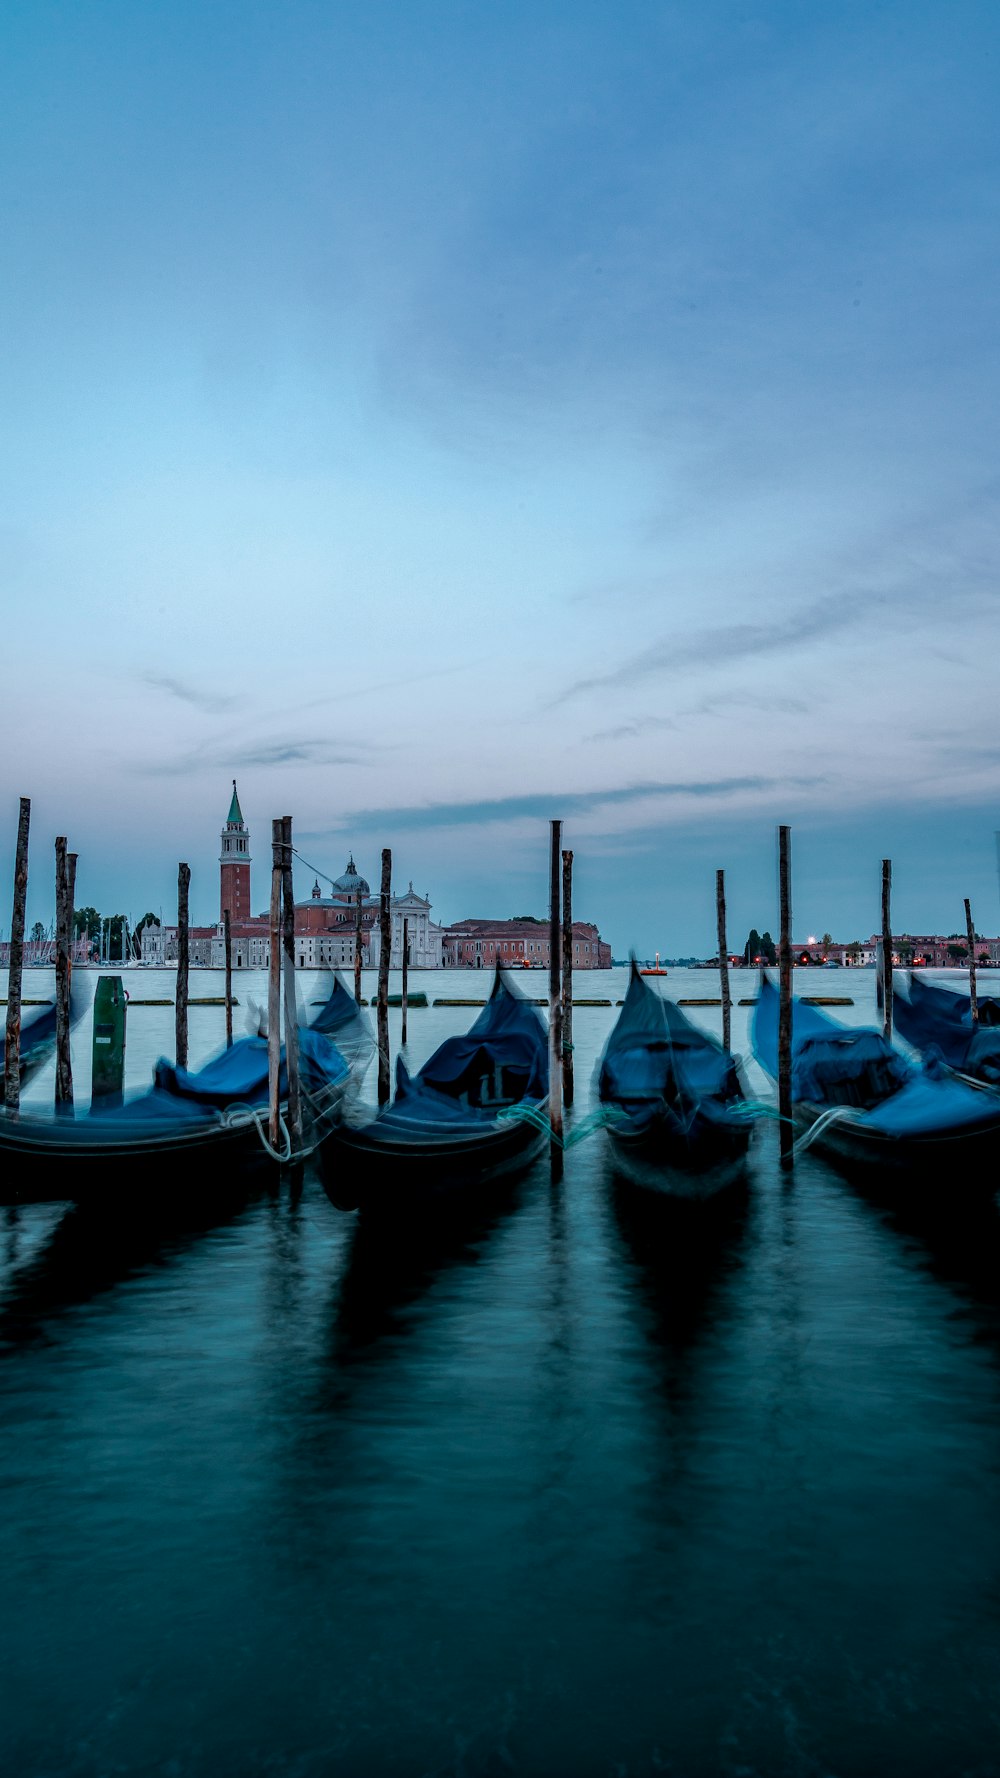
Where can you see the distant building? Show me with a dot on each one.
(480, 944)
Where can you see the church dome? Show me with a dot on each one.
(351, 882)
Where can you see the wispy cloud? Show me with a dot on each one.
(240, 757)
(726, 703)
(546, 805)
(211, 702)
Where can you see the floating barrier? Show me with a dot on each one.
(418, 999)
(31, 1002)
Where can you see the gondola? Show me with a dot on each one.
(930, 1016)
(869, 1105)
(675, 1107)
(192, 1134)
(38, 1037)
(467, 1121)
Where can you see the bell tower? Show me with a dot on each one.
(234, 865)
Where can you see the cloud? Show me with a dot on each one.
(547, 805)
(734, 642)
(211, 702)
(724, 702)
(239, 757)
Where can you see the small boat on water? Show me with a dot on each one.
(192, 1134)
(471, 1117)
(651, 968)
(867, 1103)
(677, 1113)
(933, 1017)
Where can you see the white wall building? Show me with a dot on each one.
(423, 936)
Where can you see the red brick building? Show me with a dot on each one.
(480, 944)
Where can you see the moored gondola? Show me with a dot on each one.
(675, 1106)
(867, 1104)
(932, 1017)
(470, 1119)
(191, 1134)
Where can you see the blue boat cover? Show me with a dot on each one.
(656, 1057)
(238, 1076)
(833, 1065)
(500, 1062)
(930, 1016)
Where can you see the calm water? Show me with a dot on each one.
(586, 1491)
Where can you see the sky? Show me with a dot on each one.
(447, 418)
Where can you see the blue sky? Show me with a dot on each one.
(445, 417)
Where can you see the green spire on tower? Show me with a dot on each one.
(235, 816)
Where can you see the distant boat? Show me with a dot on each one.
(654, 969)
(678, 1121)
(867, 1103)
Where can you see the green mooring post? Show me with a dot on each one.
(108, 1086)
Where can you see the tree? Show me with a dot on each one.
(752, 951)
(767, 949)
(826, 940)
(37, 933)
(854, 950)
(904, 950)
(958, 952)
(86, 923)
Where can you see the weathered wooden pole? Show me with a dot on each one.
(358, 937)
(291, 1009)
(227, 950)
(555, 1004)
(406, 970)
(385, 947)
(887, 949)
(567, 977)
(183, 966)
(64, 927)
(971, 930)
(274, 992)
(720, 922)
(786, 1136)
(12, 1041)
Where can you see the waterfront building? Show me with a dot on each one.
(424, 939)
(480, 944)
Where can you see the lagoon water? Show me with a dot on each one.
(589, 1488)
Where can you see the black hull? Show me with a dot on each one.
(60, 1161)
(960, 1164)
(662, 1160)
(363, 1169)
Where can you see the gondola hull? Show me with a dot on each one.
(673, 1101)
(88, 1161)
(695, 1165)
(372, 1171)
(960, 1164)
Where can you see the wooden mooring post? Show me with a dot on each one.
(786, 1133)
(291, 1007)
(358, 938)
(406, 972)
(65, 877)
(971, 930)
(12, 1040)
(384, 950)
(720, 923)
(183, 966)
(274, 993)
(555, 1004)
(227, 947)
(887, 949)
(567, 978)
